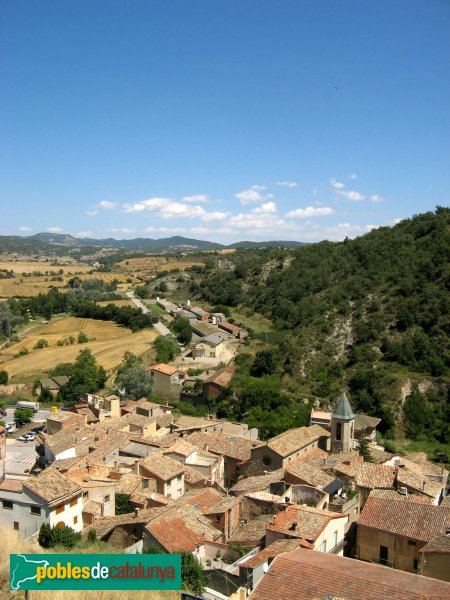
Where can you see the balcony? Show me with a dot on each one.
(344, 505)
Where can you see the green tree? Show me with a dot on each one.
(193, 578)
(364, 449)
(134, 382)
(41, 344)
(182, 329)
(123, 504)
(166, 349)
(86, 377)
(264, 363)
(82, 338)
(141, 291)
(23, 414)
(3, 377)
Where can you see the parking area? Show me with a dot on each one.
(20, 455)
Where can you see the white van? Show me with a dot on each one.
(26, 404)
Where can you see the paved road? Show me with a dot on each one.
(160, 327)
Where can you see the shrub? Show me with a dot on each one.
(41, 344)
(3, 377)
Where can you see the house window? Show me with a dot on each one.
(339, 432)
(179, 492)
(16, 525)
(85, 495)
(60, 509)
(324, 546)
(74, 502)
(266, 461)
(75, 520)
(411, 542)
(107, 499)
(145, 484)
(8, 504)
(218, 518)
(35, 510)
(335, 534)
(415, 564)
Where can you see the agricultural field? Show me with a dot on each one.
(107, 341)
(28, 286)
(154, 264)
(24, 266)
(110, 277)
(119, 303)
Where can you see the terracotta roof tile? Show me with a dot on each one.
(290, 441)
(308, 474)
(275, 549)
(163, 368)
(257, 483)
(302, 522)
(51, 485)
(161, 466)
(233, 446)
(409, 519)
(370, 475)
(305, 575)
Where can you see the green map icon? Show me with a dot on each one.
(23, 569)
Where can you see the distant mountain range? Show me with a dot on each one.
(51, 241)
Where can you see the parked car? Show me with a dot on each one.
(27, 437)
(39, 428)
(9, 428)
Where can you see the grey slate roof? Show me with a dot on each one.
(343, 410)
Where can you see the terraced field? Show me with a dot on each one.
(119, 303)
(108, 342)
(25, 266)
(155, 264)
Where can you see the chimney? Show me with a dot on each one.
(205, 447)
(136, 466)
(136, 512)
(116, 465)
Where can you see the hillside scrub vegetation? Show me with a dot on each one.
(362, 315)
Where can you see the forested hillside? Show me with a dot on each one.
(365, 315)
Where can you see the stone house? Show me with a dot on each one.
(435, 557)
(393, 531)
(168, 473)
(210, 346)
(50, 497)
(167, 380)
(286, 447)
(323, 530)
(302, 575)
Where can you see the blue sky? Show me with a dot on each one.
(222, 119)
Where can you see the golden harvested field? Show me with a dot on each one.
(109, 277)
(119, 303)
(109, 345)
(25, 266)
(29, 286)
(155, 264)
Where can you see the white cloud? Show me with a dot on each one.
(84, 234)
(122, 230)
(54, 230)
(352, 195)
(24, 228)
(166, 208)
(266, 208)
(196, 198)
(107, 205)
(376, 198)
(337, 185)
(370, 227)
(253, 194)
(287, 183)
(165, 230)
(217, 215)
(352, 176)
(91, 213)
(310, 211)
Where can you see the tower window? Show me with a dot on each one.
(339, 432)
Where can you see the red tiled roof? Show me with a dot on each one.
(302, 522)
(275, 549)
(305, 575)
(370, 475)
(410, 519)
